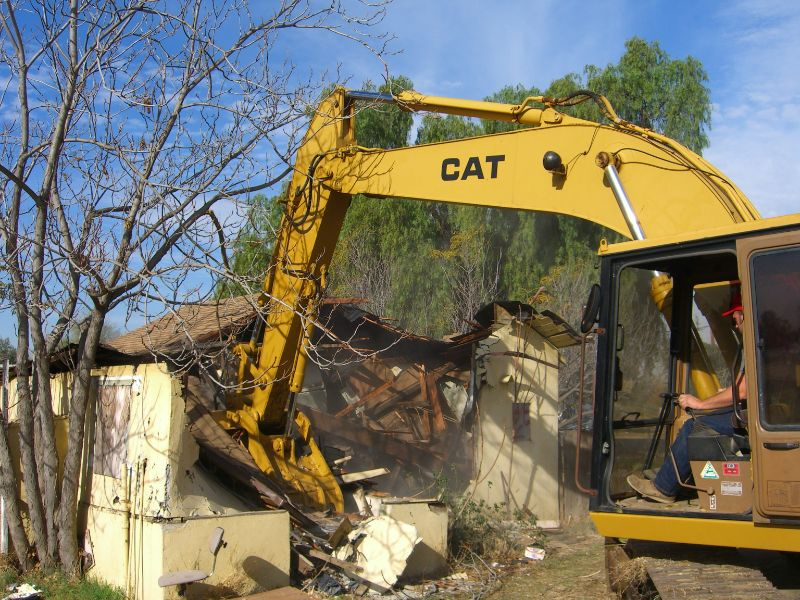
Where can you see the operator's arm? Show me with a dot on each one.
(721, 399)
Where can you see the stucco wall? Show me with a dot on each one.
(518, 365)
(156, 513)
(255, 555)
(59, 390)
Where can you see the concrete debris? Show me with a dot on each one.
(430, 518)
(24, 591)
(381, 546)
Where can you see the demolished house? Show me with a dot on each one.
(478, 412)
(396, 415)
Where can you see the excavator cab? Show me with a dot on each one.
(662, 331)
(667, 337)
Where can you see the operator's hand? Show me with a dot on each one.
(689, 401)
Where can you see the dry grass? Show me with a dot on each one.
(629, 576)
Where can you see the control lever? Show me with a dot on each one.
(669, 398)
(674, 398)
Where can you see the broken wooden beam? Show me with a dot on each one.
(433, 398)
(299, 562)
(345, 527)
(347, 567)
(355, 433)
(361, 475)
(365, 398)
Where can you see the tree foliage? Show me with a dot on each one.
(384, 125)
(8, 350)
(650, 89)
(386, 245)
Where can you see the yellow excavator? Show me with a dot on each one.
(692, 233)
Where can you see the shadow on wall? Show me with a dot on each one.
(255, 574)
(261, 572)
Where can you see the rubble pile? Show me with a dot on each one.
(392, 412)
(395, 400)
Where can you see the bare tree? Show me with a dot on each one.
(564, 291)
(371, 277)
(125, 123)
(473, 277)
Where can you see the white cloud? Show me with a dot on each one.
(473, 48)
(756, 121)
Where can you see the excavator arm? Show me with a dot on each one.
(623, 177)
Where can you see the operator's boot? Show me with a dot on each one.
(647, 489)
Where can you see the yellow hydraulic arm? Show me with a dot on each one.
(626, 178)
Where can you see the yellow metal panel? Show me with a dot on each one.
(708, 232)
(687, 530)
(293, 287)
(505, 170)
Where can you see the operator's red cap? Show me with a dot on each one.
(736, 300)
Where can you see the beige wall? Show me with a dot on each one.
(157, 515)
(59, 389)
(252, 559)
(519, 474)
(255, 557)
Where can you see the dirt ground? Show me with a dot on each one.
(573, 567)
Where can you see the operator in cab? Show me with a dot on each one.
(664, 487)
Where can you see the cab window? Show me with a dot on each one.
(775, 277)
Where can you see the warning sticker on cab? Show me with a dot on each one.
(709, 472)
(730, 469)
(731, 488)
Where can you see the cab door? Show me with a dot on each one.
(769, 266)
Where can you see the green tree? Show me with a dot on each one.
(380, 125)
(441, 128)
(251, 251)
(649, 88)
(385, 245)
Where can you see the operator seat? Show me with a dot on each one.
(182, 579)
(706, 443)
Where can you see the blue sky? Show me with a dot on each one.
(472, 48)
